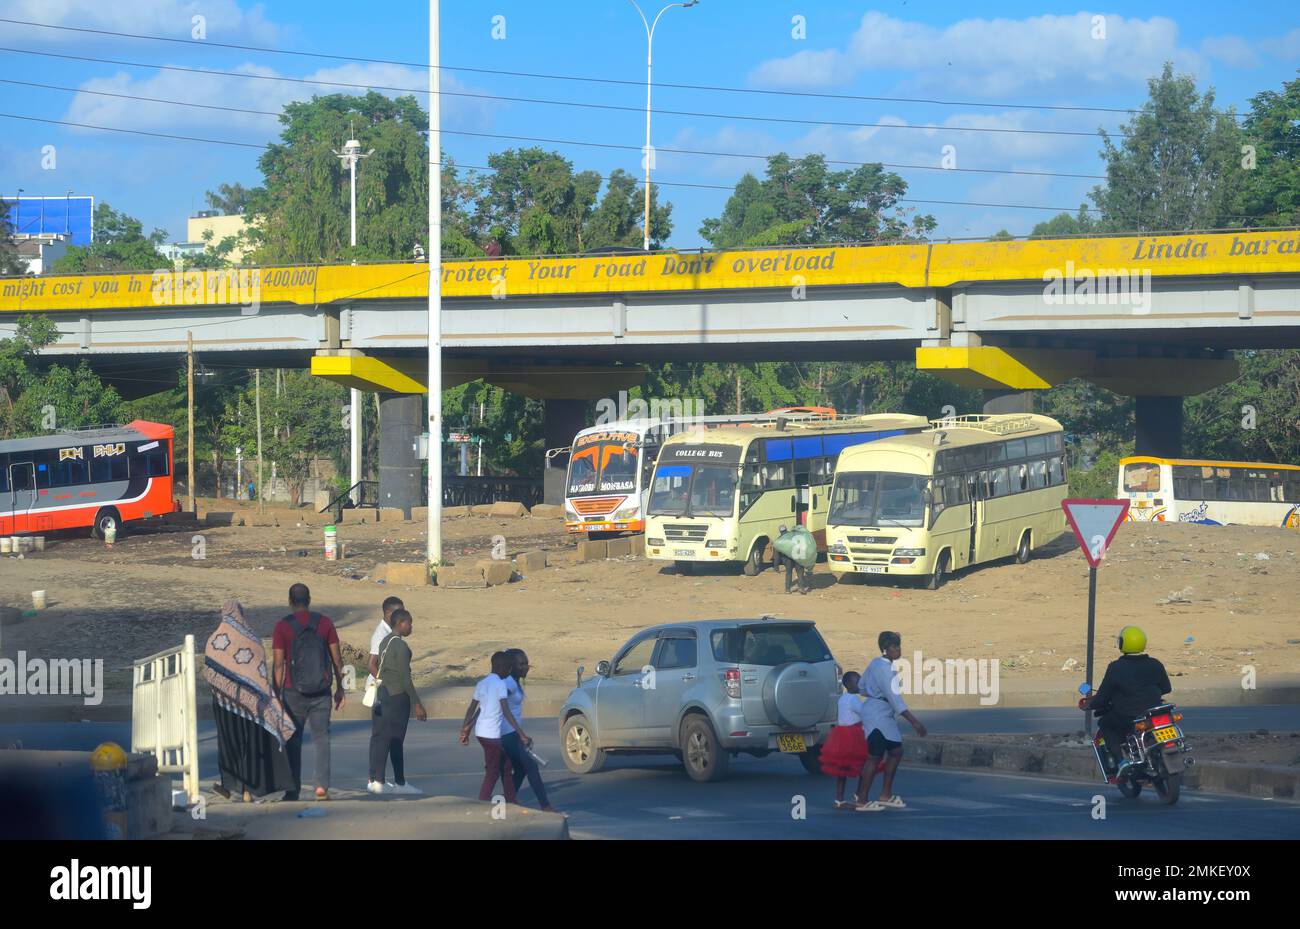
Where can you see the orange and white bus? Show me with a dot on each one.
(1211, 493)
(98, 478)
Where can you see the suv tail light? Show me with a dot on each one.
(732, 676)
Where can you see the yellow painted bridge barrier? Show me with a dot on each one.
(911, 265)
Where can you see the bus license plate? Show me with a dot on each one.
(1167, 734)
(683, 552)
(870, 568)
(792, 742)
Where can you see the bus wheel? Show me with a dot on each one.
(1023, 552)
(104, 520)
(683, 568)
(935, 581)
(754, 563)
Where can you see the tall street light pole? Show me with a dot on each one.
(649, 63)
(350, 156)
(434, 536)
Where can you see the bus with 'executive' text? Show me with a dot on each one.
(721, 495)
(966, 490)
(608, 477)
(1211, 493)
(99, 478)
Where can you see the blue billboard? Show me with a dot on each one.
(67, 215)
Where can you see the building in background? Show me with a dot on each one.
(221, 226)
(68, 218)
(177, 252)
(38, 253)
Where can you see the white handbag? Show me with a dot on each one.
(372, 686)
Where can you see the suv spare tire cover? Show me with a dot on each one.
(795, 694)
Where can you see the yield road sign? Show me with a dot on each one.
(1094, 523)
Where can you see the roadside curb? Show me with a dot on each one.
(1274, 782)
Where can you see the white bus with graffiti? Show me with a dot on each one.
(1210, 493)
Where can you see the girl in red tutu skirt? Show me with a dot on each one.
(845, 752)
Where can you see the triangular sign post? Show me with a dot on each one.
(1094, 523)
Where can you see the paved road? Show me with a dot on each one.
(651, 797)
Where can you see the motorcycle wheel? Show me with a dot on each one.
(1128, 788)
(1169, 787)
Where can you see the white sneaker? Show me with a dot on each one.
(376, 787)
(410, 789)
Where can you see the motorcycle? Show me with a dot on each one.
(1156, 751)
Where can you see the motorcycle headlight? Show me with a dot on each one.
(909, 553)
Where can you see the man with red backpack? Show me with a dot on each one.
(305, 662)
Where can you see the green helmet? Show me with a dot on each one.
(1131, 640)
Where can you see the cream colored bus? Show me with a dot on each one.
(720, 495)
(967, 490)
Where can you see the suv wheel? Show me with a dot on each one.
(812, 759)
(704, 759)
(578, 744)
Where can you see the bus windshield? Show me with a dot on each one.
(694, 490)
(603, 467)
(872, 498)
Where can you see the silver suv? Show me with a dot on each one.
(706, 691)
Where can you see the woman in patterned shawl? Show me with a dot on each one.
(252, 725)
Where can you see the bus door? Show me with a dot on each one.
(22, 495)
(975, 490)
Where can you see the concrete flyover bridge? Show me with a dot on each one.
(1155, 317)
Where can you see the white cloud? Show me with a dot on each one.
(1231, 50)
(1286, 47)
(992, 57)
(225, 20)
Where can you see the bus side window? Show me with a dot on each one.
(751, 477)
(1020, 477)
(4, 475)
(998, 485)
(1037, 474)
(1036, 445)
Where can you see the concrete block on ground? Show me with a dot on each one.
(547, 511)
(420, 514)
(530, 561)
(360, 515)
(221, 518)
(406, 573)
(463, 574)
(504, 508)
(481, 509)
(619, 548)
(593, 550)
(496, 572)
(391, 514)
(312, 518)
(448, 512)
(182, 518)
(638, 545)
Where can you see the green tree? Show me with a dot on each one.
(802, 202)
(303, 424)
(1271, 189)
(17, 366)
(534, 204)
(9, 261)
(304, 203)
(229, 199)
(1066, 224)
(120, 245)
(1178, 165)
(77, 396)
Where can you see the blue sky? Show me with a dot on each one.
(1005, 54)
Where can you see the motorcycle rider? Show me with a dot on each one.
(1133, 683)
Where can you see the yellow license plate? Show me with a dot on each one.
(791, 743)
(1167, 734)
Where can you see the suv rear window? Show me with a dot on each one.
(769, 645)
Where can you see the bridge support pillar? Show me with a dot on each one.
(1159, 426)
(401, 422)
(1008, 401)
(562, 420)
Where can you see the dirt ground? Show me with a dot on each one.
(1208, 598)
(1257, 747)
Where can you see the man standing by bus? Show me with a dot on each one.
(305, 655)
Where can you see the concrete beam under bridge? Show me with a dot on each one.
(408, 374)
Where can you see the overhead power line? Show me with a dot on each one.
(592, 80)
(585, 144)
(787, 120)
(727, 187)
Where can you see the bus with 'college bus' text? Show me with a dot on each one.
(98, 478)
(966, 490)
(721, 495)
(1210, 493)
